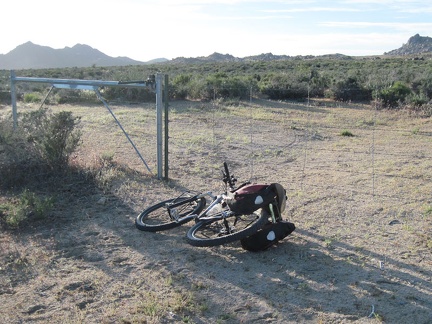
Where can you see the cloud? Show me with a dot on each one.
(412, 27)
(401, 6)
(329, 43)
(313, 9)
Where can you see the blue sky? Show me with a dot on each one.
(144, 30)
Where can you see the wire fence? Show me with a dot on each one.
(311, 148)
(314, 148)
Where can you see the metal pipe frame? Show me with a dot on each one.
(154, 83)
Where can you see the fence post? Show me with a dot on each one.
(13, 99)
(159, 123)
(166, 104)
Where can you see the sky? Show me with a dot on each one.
(144, 30)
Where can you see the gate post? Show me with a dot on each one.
(166, 104)
(13, 99)
(159, 109)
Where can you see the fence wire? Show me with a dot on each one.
(316, 149)
(312, 151)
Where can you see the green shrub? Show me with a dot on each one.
(282, 85)
(179, 86)
(394, 95)
(41, 143)
(291, 78)
(350, 89)
(347, 133)
(129, 94)
(32, 97)
(6, 131)
(26, 208)
(417, 100)
(221, 85)
(53, 135)
(19, 158)
(5, 97)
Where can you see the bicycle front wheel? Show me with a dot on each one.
(219, 231)
(160, 217)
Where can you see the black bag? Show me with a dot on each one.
(252, 197)
(267, 236)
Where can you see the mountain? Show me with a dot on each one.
(215, 57)
(265, 57)
(416, 45)
(32, 56)
(218, 57)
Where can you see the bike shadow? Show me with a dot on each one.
(300, 279)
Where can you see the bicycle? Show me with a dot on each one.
(221, 222)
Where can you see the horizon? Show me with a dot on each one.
(195, 28)
(179, 57)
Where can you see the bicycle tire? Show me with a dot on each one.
(156, 218)
(210, 232)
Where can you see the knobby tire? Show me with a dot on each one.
(156, 218)
(208, 232)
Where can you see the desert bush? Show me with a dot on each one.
(179, 86)
(5, 96)
(292, 78)
(27, 207)
(129, 94)
(41, 143)
(395, 94)
(32, 97)
(423, 110)
(417, 100)
(54, 136)
(318, 84)
(197, 89)
(427, 110)
(6, 130)
(298, 84)
(225, 86)
(18, 159)
(350, 89)
(347, 133)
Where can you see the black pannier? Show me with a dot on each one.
(272, 201)
(267, 236)
(252, 197)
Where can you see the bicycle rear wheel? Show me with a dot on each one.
(219, 231)
(161, 217)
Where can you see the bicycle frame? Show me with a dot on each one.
(218, 200)
(229, 181)
(203, 215)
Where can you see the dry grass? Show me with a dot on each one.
(361, 205)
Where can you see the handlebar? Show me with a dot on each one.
(227, 178)
(230, 180)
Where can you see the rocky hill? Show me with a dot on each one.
(416, 45)
(265, 57)
(32, 56)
